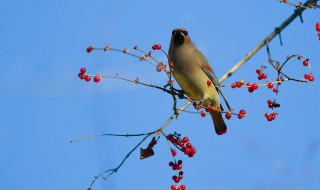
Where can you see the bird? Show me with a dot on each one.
(192, 72)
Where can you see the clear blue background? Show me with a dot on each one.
(44, 105)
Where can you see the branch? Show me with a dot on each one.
(277, 31)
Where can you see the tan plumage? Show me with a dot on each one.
(192, 71)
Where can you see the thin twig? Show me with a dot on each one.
(112, 171)
(110, 134)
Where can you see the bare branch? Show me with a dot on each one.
(277, 31)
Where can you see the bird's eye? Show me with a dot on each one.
(185, 33)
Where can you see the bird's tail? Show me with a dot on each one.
(219, 124)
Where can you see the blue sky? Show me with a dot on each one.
(44, 104)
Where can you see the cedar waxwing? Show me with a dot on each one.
(192, 71)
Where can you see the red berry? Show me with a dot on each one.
(89, 188)
(209, 108)
(254, 86)
(306, 62)
(240, 116)
(188, 145)
(258, 71)
(87, 78)
(311, 78)
(243, 112)
(179, 167)
(170, 137)
(186, 150)
(234, 85)
(209, 83)
(182, 187)
(193, 150)
(266, 115)
(174, 167)
(228, 115)
(97, 78)
(275, 90)
(263, 76)
(180, 173)
(306, 76)
(135, 47)
(179, 162)
(173, 187)
(270, 85)
(191, 154)
(83, 70)
(82, 77)
(318, 26)
(250, 89)
(238, 84)
(89, 49)
(185, 139)
(156, 47)
(203, 114)
(175, 179)
(174, 153)
(171, 164)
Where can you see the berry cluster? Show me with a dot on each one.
(183, 144)
(181, 187)
(305, 63)
(176, 166)
(252, 87)
(242, 113)
(156, 47)
(87, 78)
(238, 84)
(271, 116)
(261, 74)
(309, 77)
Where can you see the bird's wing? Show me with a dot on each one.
(209, 72)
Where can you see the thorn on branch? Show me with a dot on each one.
(278, 31)
(301, 19)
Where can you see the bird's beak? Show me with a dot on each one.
(178, 37)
